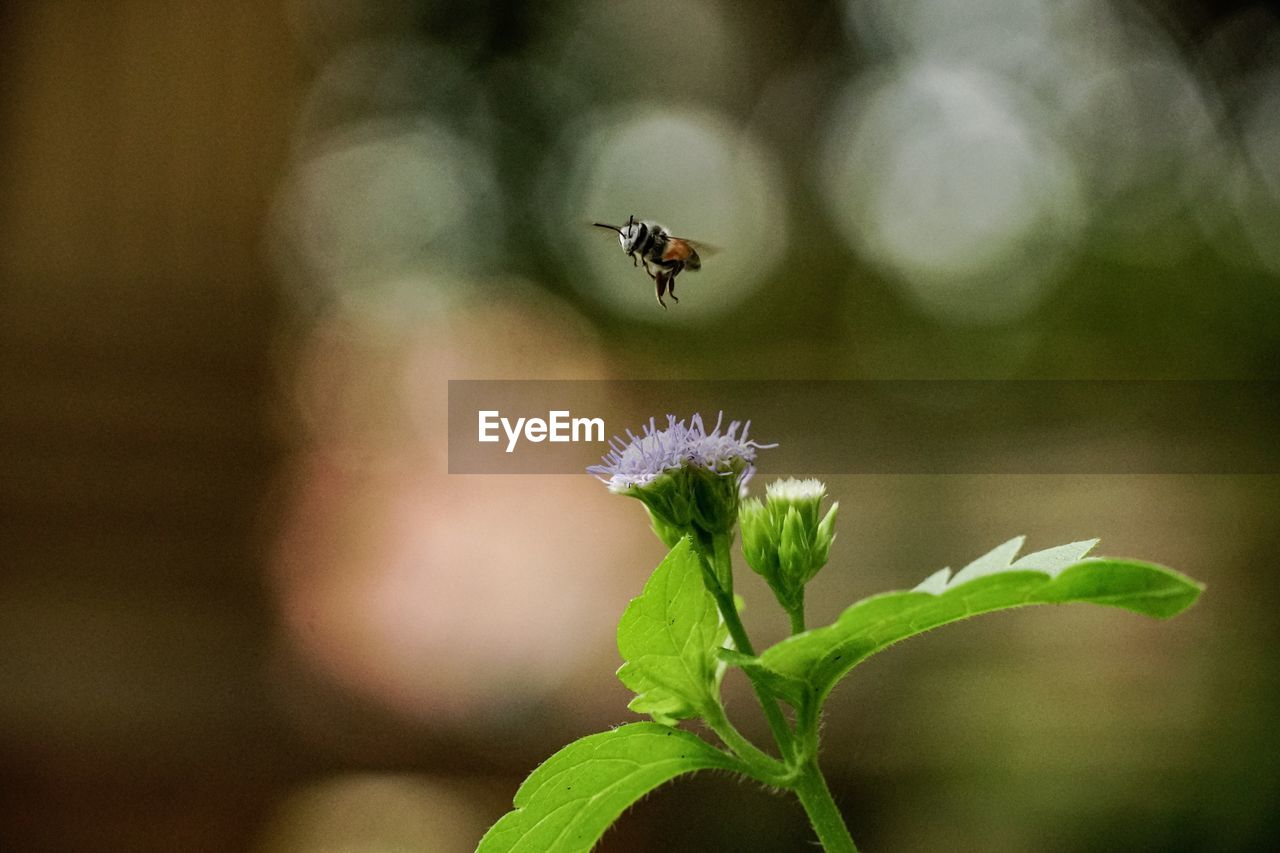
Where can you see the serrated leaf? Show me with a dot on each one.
(568, 802)
(822, 656)
(1054, 560)
(996, 560)
(1050, 560)
(669, 636)
(653, 699)
(936, 582)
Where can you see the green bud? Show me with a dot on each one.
(759, 538)
(783, 538)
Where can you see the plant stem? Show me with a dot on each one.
(797, 616)
(723, 567)
(763, 766)
(797, 622)
(811, 788)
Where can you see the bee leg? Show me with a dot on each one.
(661, 279)
(671, 287)
(649, 271)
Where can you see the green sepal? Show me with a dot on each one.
(826, 535)
(692, 501)
(669, 534)
(715, 497)
(794, 550)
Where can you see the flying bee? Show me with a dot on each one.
(663, 255)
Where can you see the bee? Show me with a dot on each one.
(663, 255)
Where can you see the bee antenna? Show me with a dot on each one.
(610, 227)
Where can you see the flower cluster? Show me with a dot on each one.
(690, 479)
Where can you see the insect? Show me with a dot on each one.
(664, 256)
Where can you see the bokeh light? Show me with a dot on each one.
(1258, 187)
(941, 176)
(997, 33)
(321, 27)
(370, 813)
(1145, 134)
(381, 201)
(1014, 138)
(408, 586)
(395, 75)
(693, 54)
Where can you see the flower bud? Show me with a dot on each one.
(783, 538)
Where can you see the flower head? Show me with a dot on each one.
(689, 478)
(645, 458)
(793, 490)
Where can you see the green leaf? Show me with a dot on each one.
(568, 802)
(663, 705)
(669, 637)
(790, 690)
(821, 657)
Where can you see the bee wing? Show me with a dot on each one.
(696, 245)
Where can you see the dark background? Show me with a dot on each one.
(243, 246)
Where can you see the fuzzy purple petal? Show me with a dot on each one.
(646, 457)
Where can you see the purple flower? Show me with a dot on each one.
(644, 458)
(690, 480)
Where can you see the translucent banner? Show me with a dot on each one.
(885, 427)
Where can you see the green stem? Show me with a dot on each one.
(723, 567)
(811, 788)
(797, 616)
(763, 766)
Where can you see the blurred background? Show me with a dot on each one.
(243, 246)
